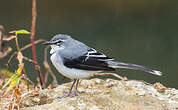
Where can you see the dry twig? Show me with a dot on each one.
(47, 67)
(111, 74)
(23, 48)
(4, 51)
(37, 68)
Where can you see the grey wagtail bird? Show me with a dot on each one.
(75, 60)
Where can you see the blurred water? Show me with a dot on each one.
(140, 31)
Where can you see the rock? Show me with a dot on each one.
(109, 94)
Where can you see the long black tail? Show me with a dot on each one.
(114, 64)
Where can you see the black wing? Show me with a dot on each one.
(92, 60)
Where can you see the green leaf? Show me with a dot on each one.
(14, 82)
(9, 81)
(22, 32)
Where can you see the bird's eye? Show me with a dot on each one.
(58, 42)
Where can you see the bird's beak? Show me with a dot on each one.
(46, 43)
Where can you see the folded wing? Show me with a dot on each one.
(92, 60)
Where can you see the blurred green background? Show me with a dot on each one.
(143, 32)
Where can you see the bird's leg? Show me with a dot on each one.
(75, 91)
(72, 86)
(70, 91)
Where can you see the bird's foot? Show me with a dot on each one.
(69, 94)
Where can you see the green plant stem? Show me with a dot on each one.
(17, 44)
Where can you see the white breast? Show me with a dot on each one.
(71, 73)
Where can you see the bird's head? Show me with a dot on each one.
(57, 42)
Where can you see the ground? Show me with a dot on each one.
(98, 94)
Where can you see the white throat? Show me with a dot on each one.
(55, 48)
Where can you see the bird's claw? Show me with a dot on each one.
(69, 94)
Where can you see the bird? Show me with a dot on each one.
(75, 60)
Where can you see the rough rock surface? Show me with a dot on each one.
(109, 94)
